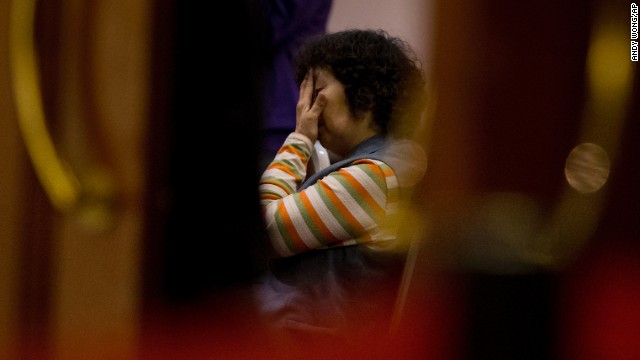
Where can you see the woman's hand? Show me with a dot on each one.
(309, 107)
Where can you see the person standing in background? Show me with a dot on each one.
(289, 23)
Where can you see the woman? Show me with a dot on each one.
(336, 265)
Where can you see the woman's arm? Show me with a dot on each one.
(346, 207)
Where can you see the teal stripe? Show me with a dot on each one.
(290, 163)
(302, 148)
(311, 225)
(336, 214)
(356, 196)
(286, 185)
(379, 180)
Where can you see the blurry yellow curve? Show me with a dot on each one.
(60, 184)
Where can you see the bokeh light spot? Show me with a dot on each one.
(587, 167)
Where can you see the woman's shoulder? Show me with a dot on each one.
(369, 169)
(370, 162)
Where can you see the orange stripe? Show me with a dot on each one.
(388, 173)
(315, 217)
(342, 209)
(272, 181)
(284, 168)
(292, 149)
(392, 194)
(362, 191)
(291, 229)
(277, 183)
(269, 197)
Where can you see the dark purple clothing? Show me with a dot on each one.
(291, 22)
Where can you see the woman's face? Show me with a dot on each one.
(339, 130)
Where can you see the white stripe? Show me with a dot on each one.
(356, 210)
(298, 222)
(378, 195)
(271, 188)
(349, 242)
(276, 174)
(298, 169)
(277, 241)
(327, 218)
(296, 138)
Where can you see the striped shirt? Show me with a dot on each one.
(349, 206)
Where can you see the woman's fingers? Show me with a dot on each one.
(318, 104)
(308, 111)
(306, 90)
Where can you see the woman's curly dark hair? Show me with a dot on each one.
(379, 72)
